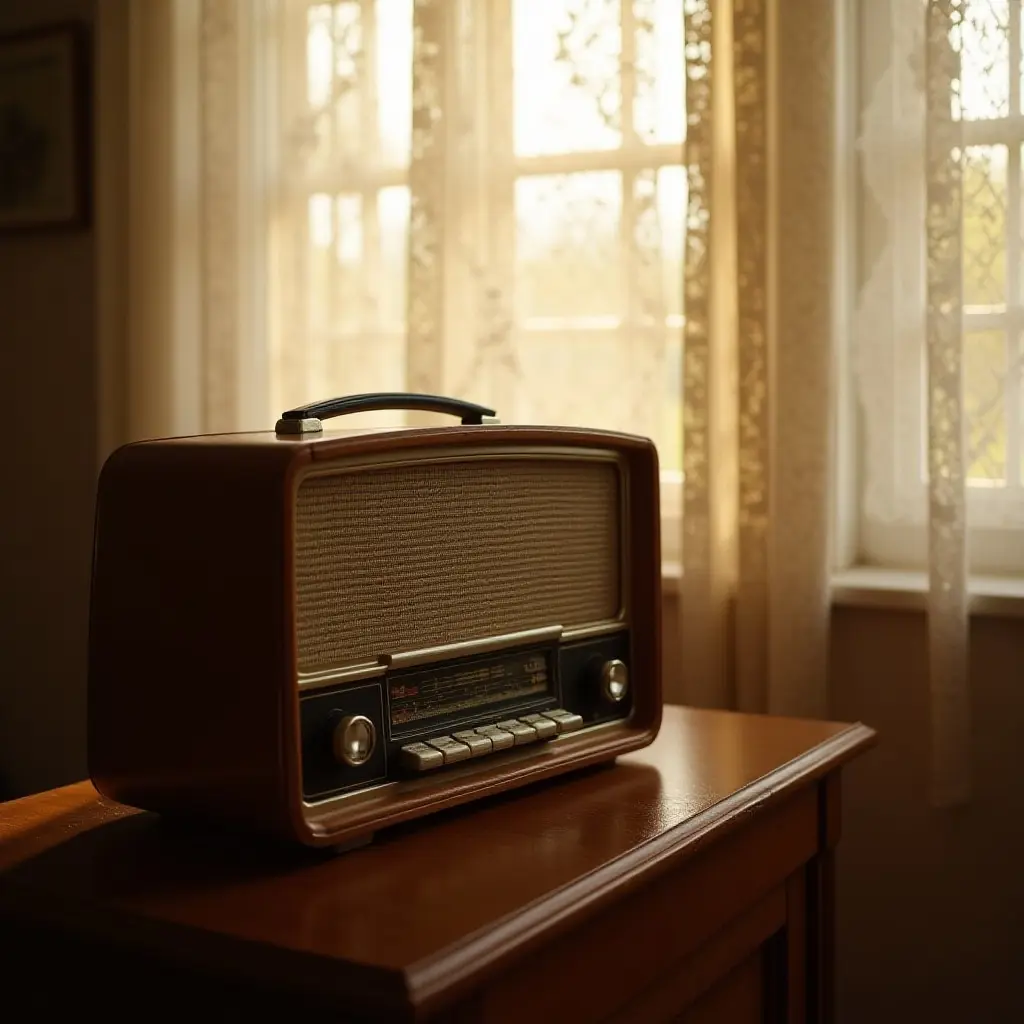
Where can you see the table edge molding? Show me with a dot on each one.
(471, 959)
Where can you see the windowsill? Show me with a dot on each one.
(868, 586)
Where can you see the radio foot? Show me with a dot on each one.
(353, 844)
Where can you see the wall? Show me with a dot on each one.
(47, 369)
(930, 902)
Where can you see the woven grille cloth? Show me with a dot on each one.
(399, 558)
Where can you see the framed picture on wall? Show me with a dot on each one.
(44, 134)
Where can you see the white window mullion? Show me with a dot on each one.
(290, 278)
(627, 222)
(996, 320)
(370, 138)
(500, 201)
(1011, 388)
(994, 131)
(1013, 398)
(357, 179)
(634, 157)
(322, 367)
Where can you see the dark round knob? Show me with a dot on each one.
(353, 740)
(614, 680)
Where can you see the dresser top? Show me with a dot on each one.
(426, 905)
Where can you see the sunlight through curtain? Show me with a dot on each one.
(933, 324)
(761, 98)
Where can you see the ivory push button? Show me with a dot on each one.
(545, 727)
(452, 749)
(566, 721)
(500, 739)
(421, 758)
(478, 745)
(522, 732)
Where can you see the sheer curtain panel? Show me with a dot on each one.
(761, 101)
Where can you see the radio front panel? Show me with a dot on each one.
(460, 565)
(460, 708)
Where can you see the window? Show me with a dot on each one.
(339, 238)
(889, 326)
(992, 269)
(563, 220)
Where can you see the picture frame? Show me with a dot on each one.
(45, 179)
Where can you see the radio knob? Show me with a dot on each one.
(354, 739)
(614, 680)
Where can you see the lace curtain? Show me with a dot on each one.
(947, 520)
(911, 313)
(482, 199)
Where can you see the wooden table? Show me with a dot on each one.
(690, 881)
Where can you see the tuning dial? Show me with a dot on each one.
(354, 739)
(614, 680)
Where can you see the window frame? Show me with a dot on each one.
(881, 413)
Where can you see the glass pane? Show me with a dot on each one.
(334, 61)
(349, 225)
(650, 288)
(318, 54)
(393, 225)
(670, 438)
(318, 279)
(985, 59)
(355, 315)
(360, 364)
(335, 262)
(671, 215)
(394, 79)
(594, 377)
(984, 405)
(1017, 374)
(658, 107)
(984, 227)
(356, 285)
(566, 83)
(567, 245)
(340, 129)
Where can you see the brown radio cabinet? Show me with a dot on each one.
(691, 881)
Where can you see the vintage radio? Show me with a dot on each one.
(318, 633)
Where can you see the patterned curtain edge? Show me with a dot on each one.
(803, 40)
(708, 515)
(219, 257)
(757, 393)
(751, 85)
(426, 275)
(948, 627)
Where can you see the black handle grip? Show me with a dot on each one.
(468, 412)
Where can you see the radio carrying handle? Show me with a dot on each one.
(306, 419)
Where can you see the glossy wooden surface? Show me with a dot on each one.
(433, 909)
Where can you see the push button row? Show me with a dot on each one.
(469, 743)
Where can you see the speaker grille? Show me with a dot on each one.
(400, 558)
